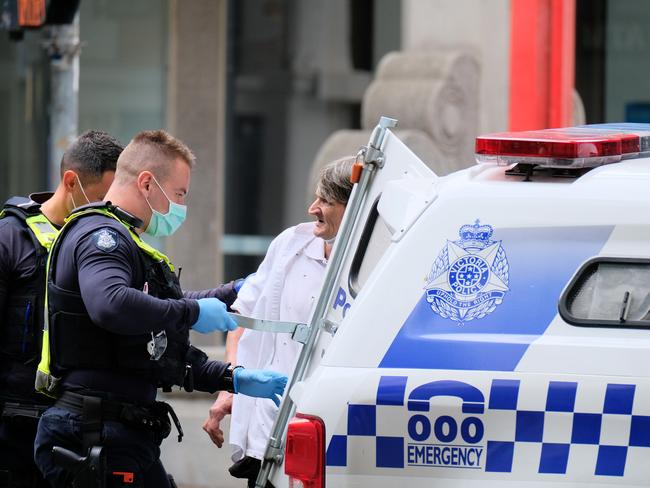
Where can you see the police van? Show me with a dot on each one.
(486, 328)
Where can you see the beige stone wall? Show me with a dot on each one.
(483, 27)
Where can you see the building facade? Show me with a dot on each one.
(255, 87)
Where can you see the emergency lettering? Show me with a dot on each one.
(444, 456)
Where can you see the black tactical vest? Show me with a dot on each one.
(21, 321)
(77, 343)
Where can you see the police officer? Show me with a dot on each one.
(119, 324)
(27, 228)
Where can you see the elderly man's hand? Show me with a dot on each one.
(221, 407)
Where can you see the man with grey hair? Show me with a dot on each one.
(284, 287)
(119, 324)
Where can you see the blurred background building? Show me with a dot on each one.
(256, 87)
(266, 90)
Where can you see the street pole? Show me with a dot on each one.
(62, 45)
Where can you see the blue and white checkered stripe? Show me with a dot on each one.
(572, 428)
(568, 433)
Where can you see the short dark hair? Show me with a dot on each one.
(92, 154)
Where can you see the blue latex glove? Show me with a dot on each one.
(213, 316)
(240, 282)
(259, 383)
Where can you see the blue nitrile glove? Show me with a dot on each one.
(240, 282)
(213, 316)
(260, 383)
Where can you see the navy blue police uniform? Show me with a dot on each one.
(25, 235)
(118, 329)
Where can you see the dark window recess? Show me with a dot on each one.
(353, 279)
(355, 116)
(591, 41)
(361, 33)
(243, 175)
(609, 292)
(243, 190)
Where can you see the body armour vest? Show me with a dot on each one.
(21, 321)
(73, 341)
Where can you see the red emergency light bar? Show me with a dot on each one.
(557, 148)
(630, 142)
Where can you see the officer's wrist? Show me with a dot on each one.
(192, 311)
(229, 379)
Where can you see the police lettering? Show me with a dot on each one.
(468, 275)
(341, 301)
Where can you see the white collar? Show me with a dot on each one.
(315, 249)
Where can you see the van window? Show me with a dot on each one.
(609, 292)
(375, 239)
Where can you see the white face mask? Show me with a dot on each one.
(74, 205)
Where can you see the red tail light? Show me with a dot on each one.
(305, 452)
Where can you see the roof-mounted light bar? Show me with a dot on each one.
(567, 148)
(641, 130)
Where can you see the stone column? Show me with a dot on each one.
(476, 26)
(196, 111)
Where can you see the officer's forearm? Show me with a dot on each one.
(106, 285)
(208, 377)
(128, 311)
(226, 293)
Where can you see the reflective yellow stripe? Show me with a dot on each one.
(149, 250)
(45, 382)
(43, 229)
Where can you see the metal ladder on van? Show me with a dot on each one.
(307, 334)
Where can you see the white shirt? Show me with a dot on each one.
(285, 287)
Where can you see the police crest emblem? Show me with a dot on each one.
(105, 239)
(470, 276)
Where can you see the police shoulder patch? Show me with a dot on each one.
(106, 239)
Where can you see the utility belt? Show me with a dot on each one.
(21, 412)
(95, 410)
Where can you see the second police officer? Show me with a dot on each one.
(28, 225)
(118, 324)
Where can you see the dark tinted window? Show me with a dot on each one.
(374, 241)
(609, 292)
